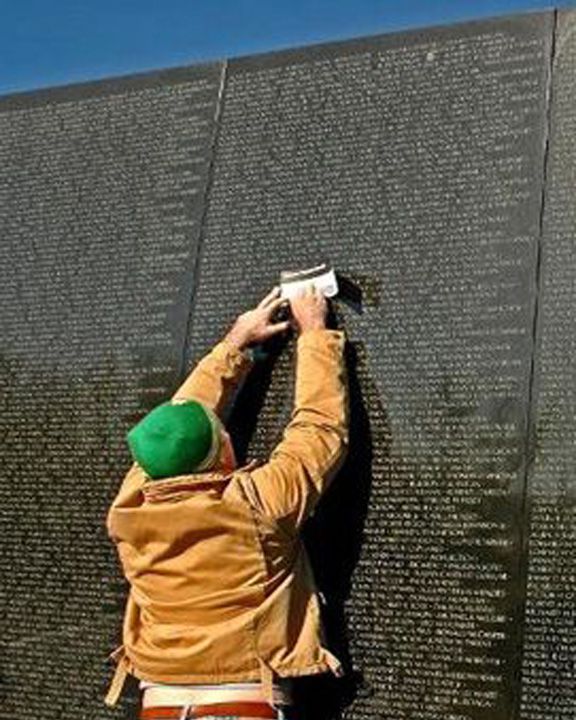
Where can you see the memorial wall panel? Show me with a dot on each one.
(412, 163)
(548, 669)
(101, 196)
(140, 215)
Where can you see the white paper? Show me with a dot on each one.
(326, 284)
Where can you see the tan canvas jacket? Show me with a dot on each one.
(220, 585)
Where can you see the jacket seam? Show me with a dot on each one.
(262, 519)
(263, 564)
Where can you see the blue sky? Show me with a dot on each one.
(57, 42)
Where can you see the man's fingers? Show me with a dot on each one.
(309, 289)
(275, 304)
(278, 327)
(271, 295)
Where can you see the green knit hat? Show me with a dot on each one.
(176, 439)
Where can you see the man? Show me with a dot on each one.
(222, 608)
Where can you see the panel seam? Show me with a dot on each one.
(207, 190)
(529, 450)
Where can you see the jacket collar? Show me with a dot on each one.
(182, 486)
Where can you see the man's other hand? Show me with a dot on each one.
(255, 326)
(309, 310)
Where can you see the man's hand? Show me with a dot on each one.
(309, 310)
(255, 326)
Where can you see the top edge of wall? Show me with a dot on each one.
(112, 85)
(542, 20)
(179, 74)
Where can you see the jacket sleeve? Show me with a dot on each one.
(215, 377)
(314, 443)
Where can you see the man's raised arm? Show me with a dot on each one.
(315, 442)
(215, 377)
(218, 373)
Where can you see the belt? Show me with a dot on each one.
(238, 709)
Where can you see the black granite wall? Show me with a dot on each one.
(138, 216)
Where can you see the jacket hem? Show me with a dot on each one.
(245, 675)
(208, 678)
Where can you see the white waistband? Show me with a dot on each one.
(162, 694)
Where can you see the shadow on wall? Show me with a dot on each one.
(333, 536)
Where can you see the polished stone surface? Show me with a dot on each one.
(140, 215)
